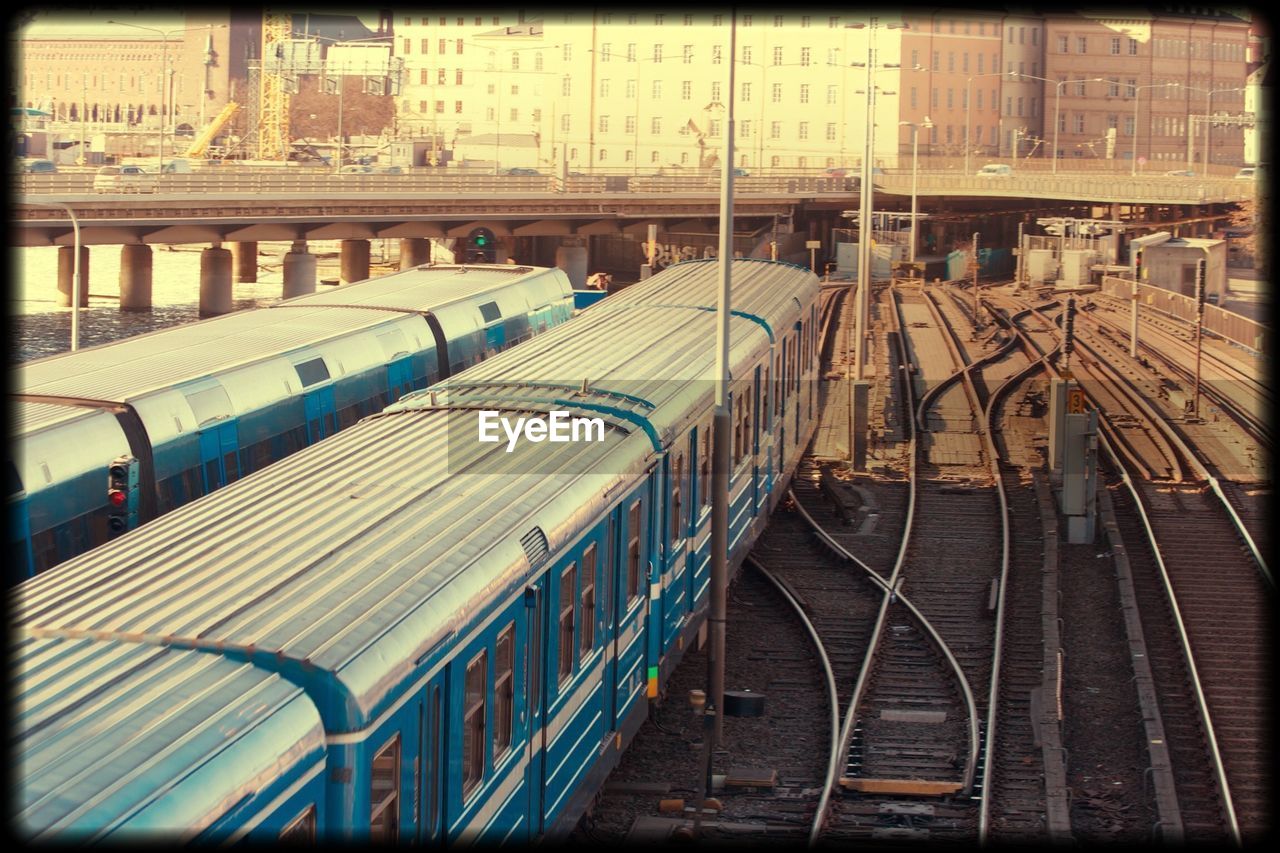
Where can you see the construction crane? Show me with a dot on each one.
(201, 143)
(273, 100)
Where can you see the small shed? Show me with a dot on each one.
(1172, 265)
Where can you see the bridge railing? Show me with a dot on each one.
(1234, 327)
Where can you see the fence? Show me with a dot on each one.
(1234, 327)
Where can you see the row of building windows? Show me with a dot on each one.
(462, 22)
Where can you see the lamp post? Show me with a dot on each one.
(915, 162)
(968, 110)
(1057, 103)
(1136, 89)
(164, 69)
(75, 268)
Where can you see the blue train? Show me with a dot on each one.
(109, 437)
(413, 630)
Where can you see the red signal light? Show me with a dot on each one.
(116, 497)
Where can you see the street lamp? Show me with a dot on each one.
(164, 68)
(968, 109)
(75, 268)
(1057, 103)
(1136, 89)
(915, 150)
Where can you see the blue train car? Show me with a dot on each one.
(481, 626)
(186, 410)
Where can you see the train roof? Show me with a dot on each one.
(134, 738)
(403, 528)
(126, 369)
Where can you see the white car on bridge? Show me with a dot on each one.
(124, 179)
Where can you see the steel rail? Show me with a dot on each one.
(833, 762)
(1202, 706)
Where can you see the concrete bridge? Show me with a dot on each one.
(240, 207)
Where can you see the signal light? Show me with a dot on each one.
(122, 494)
(116, 497)
(482, 245)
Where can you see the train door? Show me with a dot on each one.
(431, 763)
(219, 454)
(21, 559)
(611, 585)
(675, 602)
(320, 412)
(399, 379)
(534, 676)
(631, 600)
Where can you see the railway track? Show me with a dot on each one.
(1204, 596)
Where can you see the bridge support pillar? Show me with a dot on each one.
(245, 261)
(215, 281)
(353, 262)
(135, 277)
(66, 269)
(299, 270)
(414, 251)
(573, 260)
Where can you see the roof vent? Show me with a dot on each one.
(535, 547)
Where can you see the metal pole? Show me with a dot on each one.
(164, 67)
(915, 173)
(1208, 125)
(1134, 168)
(1022, 250)
(976, 238)
(721, 460)
(1202, 269)
(1133, 324)
(84, 117)
(864, 216)
(1057, 107)
(968, 108)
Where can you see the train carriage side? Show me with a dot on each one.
(519, 609)
(121, 741)
(350, 355)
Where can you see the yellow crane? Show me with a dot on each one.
(273, 100)
(201, 143)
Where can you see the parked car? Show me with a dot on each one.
(840, 171)
(995, 170)
(390, 170)
(522, 171)
(124, 179)
(37, 166)
(741, 173)
(177, 167)
(1179, 173)
(356, 169)
(1248, 173)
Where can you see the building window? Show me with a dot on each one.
(473, 725)
(655, 125)
(631, 90)
(804, 56)
(715, 92)
(688, 54)
(564, 122)
(777, 56)
(746, 93)
(604, 87)
(604, 124)
(715, 54)
(568, 53)
(832, 91)
(746, 54)
(1115, 47)
(686, 90)
(1133, 47)
(657, 89)
(457, 77)
(629, 125)
(803, 131)
(566, 86)
(1082, 44)
(503, 691)
(440, 76)
(568, 590)
(776, 94)
(831, 131)
(1113, 87)
(657, 53)
(804, 93)
(384, 792)
(1062, 44)
(775, 130)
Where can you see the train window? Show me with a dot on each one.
(191, 483)
(311, 372)
(568, 584)
(295, 439)
(503, 691)
(165, 500)
(747, 435)
(778, 393)
(764, 395)
(348, 415)
(44, 549)
(231, 463)
(331, 423)
(489, 311)
(384, 792)
(302, 829)
(677, 480)
(633, 552)
(587, 638)
(473, 725)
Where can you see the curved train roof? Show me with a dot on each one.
(402, 528)
(126, 369)
(160, 738)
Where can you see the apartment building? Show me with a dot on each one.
(1146, 76)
